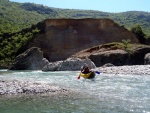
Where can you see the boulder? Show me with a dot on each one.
(32, 59)
(108, 65)
(115, 57)
(52, 66)
(70, 64)
(147, 59)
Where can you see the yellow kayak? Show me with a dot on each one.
(88, 75)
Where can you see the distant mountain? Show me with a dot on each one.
(16, 16)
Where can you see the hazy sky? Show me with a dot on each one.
(101, 5)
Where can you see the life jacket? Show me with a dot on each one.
(85, 70)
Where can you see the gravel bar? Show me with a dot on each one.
(127, 70)
(28, 87)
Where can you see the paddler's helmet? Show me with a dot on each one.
(85, 65)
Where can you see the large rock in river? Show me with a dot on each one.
(147, 58)
(69, 65)
(32, 59)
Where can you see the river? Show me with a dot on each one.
(107, 93)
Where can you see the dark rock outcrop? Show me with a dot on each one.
(4, 67)
(118, 57)
(32, 59)
(138, 54)
(68, 65)
(61, 38)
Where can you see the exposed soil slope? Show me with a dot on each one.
(60, 38)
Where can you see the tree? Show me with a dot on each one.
(2, 1)
(137, 30)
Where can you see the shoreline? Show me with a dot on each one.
(126, 70)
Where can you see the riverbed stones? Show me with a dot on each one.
(70, 64)
(126, 70)
(27, 87)
(32, 59)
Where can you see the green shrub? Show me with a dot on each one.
(126, 43)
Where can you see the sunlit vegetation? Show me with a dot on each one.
(10, 46)
(137, 30)
(124, 45)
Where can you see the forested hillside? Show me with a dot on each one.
(15, 17)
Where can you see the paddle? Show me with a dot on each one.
(79, 77)
(97, 72)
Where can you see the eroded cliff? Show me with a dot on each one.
(60, 38)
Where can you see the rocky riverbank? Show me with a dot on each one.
(28, 87)
(126, 70)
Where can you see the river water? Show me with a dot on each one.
(107, 93)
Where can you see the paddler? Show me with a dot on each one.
(85, 69)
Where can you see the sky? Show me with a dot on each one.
(113, 6)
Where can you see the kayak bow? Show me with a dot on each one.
(89, 75)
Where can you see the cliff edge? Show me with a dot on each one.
(61, 38)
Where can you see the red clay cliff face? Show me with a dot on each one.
(63, 37)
